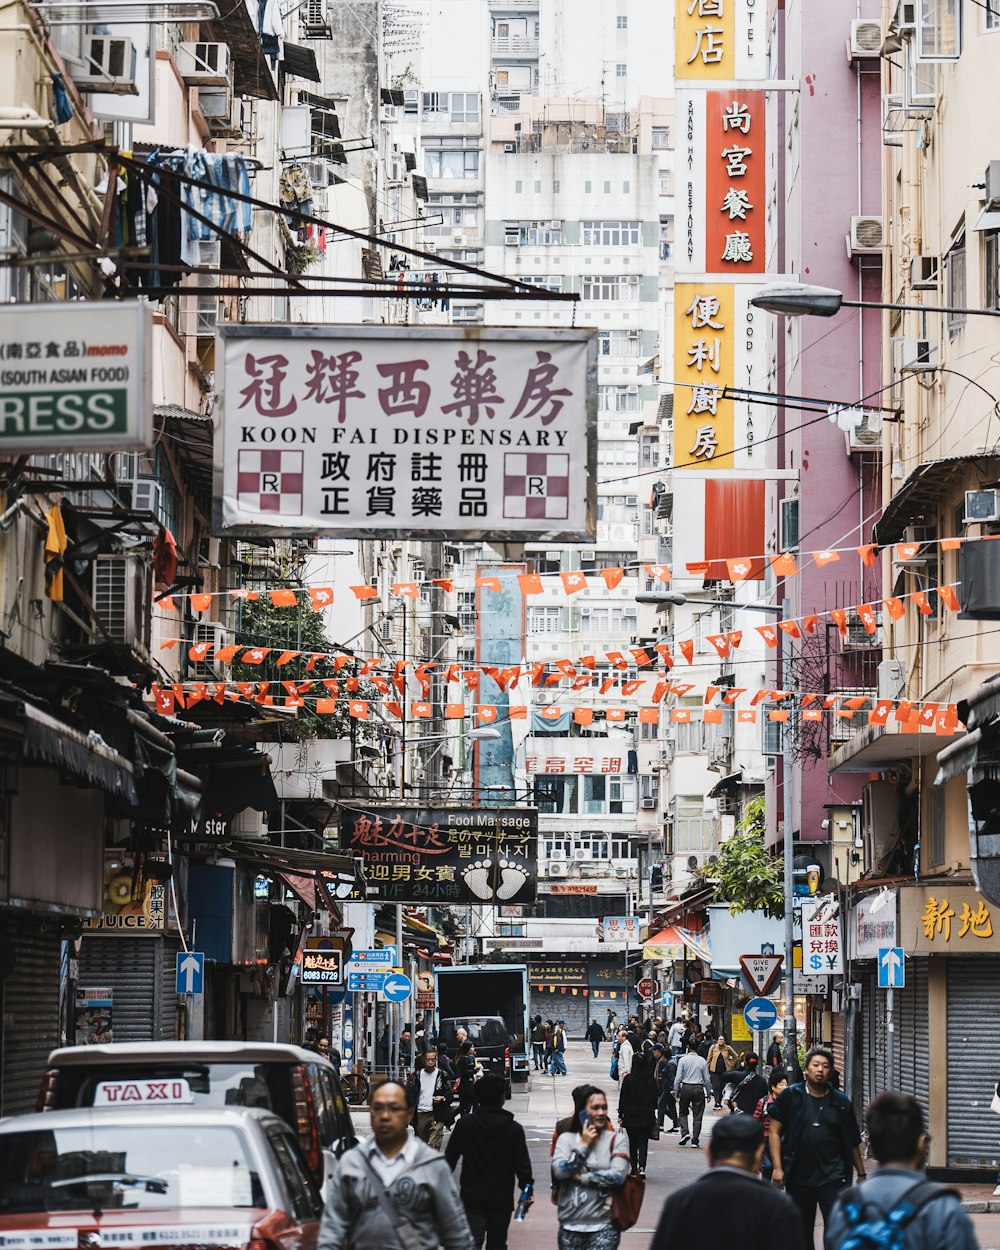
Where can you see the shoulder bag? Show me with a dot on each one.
(626, 1201)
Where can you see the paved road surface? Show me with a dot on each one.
(670, 1166)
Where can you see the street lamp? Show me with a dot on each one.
(797, 299)
(661, 599)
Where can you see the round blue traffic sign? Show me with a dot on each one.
(760, 1014)
(397, 987)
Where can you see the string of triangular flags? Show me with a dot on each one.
(201, 650)
(739, 568)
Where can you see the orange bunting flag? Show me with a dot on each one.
(373, 662)
(256, 655)
(612, 577)
(904, 710)
(630, 687)
(488, 583)
(879, 714)
(246, 688)
(472, 678)
(895, 607)
(641, 656)
(712, 716)
(778, 714)
(757, 696)
(340, 661)
(517, 711)
(616, 659)
(680, 715)
(867, 554)
(649, 716)
(839, 617)
(325, 707)
(923, 606)
(394, 709)
(365, 592)
(823, 558)
(224, 655)
(791, 628)
(950, 544)
(830, 701)
(454, 711)
(746, 715)
(946, 721)
(588, 661)
(856, 703)
(380, 684)
(583, 716)
(810, 622)
(721, 643)
(698, 568)
(659, 690)
(809, 698)
(687, 649)
(352, 685)
(283, 598)
(768, 633)
(406, 590)
(445, 583)
(607, 684)
(200, 603)
(163, 700)
(244, 594)
(614, 713)
(530, 583)
(294, 700)
(927, 714)
(358, 708)
(566, 667)
(740, 568)
(486, 713)
(658, 572)
(735, 637)
(866, 614)
(663, 651)
(844, 714)
(320, 597)
(421, 710)
(167, 603)
(783, 564)
(681, 688)
(573, 582)
(199, 650)
(286, 657)
(710, 693)
(733, 693)
(812, 713)
(948, 597)
(906, 551)
(582, 682)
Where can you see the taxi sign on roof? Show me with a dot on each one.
(135, 1093)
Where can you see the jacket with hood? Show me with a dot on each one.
(424, 1194)
(494, 1153)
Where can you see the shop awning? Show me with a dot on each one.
(922, 491)
(308, 890)
(44, 740)
(300, 62)
(251, 71)
(667, 944)
(726, 785)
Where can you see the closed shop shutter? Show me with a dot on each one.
(874, 1032)
(912, 1038)
(837, 1043)
(569, 1007)
(973, 1021)
(30, 997)
(141, 974)
(168, 997)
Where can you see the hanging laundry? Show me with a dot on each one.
(272, 30)
(165, 556)
(55, 549)
(62, 107)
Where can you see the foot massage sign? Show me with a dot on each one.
(458, 855)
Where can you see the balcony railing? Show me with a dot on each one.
(515, 45)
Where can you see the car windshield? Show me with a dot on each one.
(118, 1167)
(482, 1032)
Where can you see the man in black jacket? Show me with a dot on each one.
(749, 1087)
(494, 1153)
(729, 1205)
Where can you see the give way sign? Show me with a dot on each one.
(762, 971)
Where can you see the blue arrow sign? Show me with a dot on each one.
(365, 982)
(190, 972)
(760, 1014)
(891, 968)
(385, 956)
(397, 988)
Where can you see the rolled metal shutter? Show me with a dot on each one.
(562, 1007)
(168, 994)
(973, 1021)
(30, 1019)
(134, 969)
(837, 1043)
(912, 1065)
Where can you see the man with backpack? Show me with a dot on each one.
(898, 1208)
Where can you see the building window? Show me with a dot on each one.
(621, 70)
(465, 107)
(618, 509)
(991, 263)
(617, 454)
(620, 287)
(992, 15)
(543, 621)
(692, 829)
(788, 539)
(608, 621)
(592, 560)
(661, 138)
(610, 233)
(621, 23)
(954, 283)
(620, 342)
(618, 399)
(548, 282)
(666, 182)
(532, 233)
(451, 163)
(467, 313)
(650, 448)
(435, 102)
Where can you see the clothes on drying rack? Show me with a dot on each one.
(271, 28)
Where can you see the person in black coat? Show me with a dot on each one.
(749, 1087)
(494, 1154)
(729, 1205)
(466, 1069)
(637, 1109)
(595, 1035)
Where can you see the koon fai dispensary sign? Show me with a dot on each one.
(75, 377)
(419, 433)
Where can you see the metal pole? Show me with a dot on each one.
(791, 1041)
(890, 1041)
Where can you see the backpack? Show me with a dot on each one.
(871, 1228)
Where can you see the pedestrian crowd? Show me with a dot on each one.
(784, 1153)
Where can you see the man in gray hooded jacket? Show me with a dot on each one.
(392, 1190)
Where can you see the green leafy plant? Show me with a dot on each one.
(298, 259)
(745, 875)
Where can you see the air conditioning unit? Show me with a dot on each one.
(203, 64)
(719, 752)
(867, 236)
(108, 65)
(206, 316)
(543, 697)
(217, 635)
(981, 507)
(906, 15)
(992, 180)
(557, 855)
(924, 273)
(210, 254)
(458, 237)
(865, 434)
(588, 555)
(557, 870)
(648, 805)
(319, 173)
(217, 108)
(891, 681)
(147, 495)
(912, 535)
(553, 553)
(580, 854)
(729, 804)
(555, 225)
(865, 43)
(622, 871)
(693, 863)
(918, 355)
(510, 148)
(121, 593)
(879, 824)
(387, 113)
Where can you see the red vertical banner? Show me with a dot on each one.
(734, 522)
(735, 168)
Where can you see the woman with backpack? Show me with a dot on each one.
(637, 1109)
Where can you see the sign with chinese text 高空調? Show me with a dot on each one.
(462, 855)
(419, 433)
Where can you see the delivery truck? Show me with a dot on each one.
(489, 1001)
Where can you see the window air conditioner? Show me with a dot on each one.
(146, 493)
(918, 355)
(216, 105)
(867, 236)
(648, 805)
(542, 697)
(108, 65)
(906, 15)
(556, 854)
(510, 147)
(891, 681)
(121, 595)
(553, 553)
(924, 273)
(865, 42)
(387, 113)
(557, 870)
(981, 506)
(588, 555)
(218, 636)
(203, 64)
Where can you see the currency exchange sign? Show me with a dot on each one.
(421, 433)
